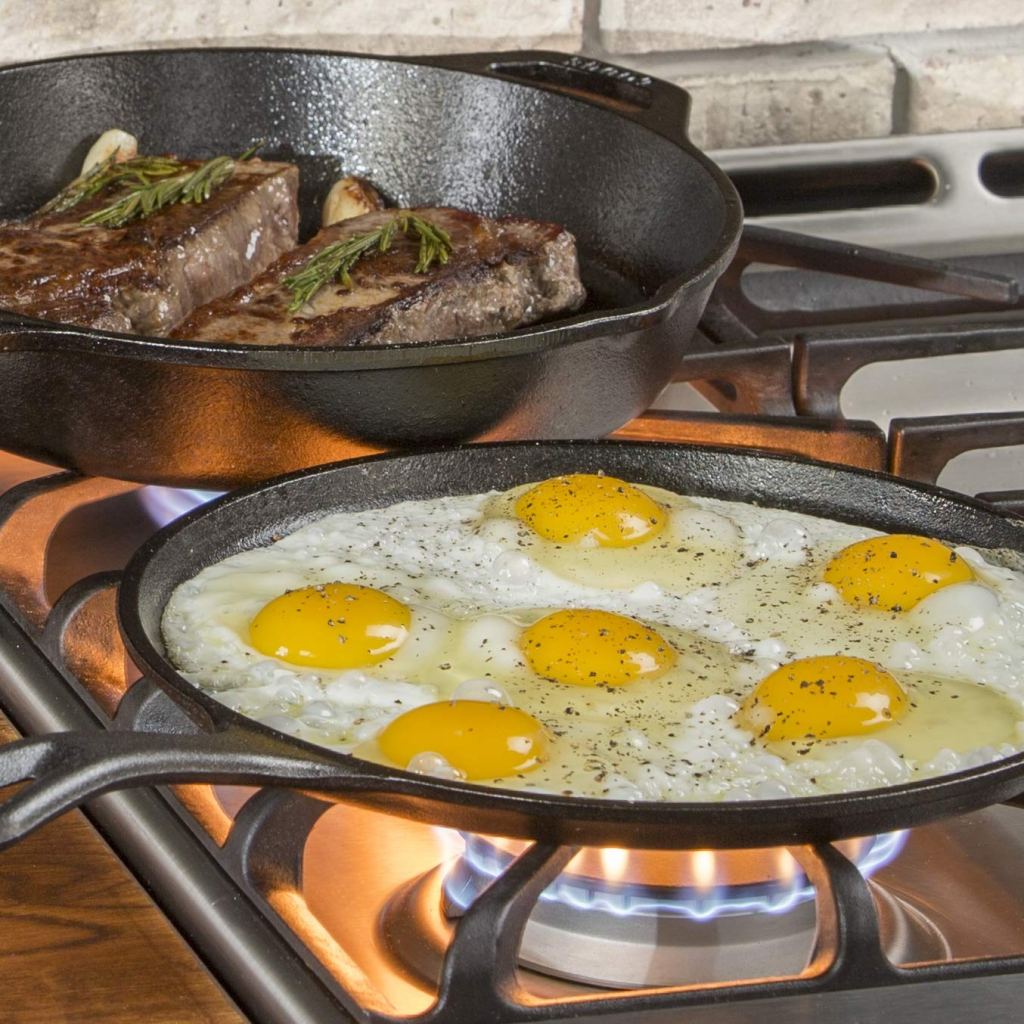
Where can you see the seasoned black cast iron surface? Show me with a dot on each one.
(556, 138)
(240, 750)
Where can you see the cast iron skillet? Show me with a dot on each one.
(69, 767)
(597, 148)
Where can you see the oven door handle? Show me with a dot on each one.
(66, 769)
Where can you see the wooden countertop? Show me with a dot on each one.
(82, 943)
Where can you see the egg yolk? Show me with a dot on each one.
(335, 625)
(601, 509)
(583, 647)
(481, 739)
(894, 572)
(823, 698)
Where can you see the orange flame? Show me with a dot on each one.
(705, 869)
(614, 862)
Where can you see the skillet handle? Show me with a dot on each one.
(652, 102)
(68, 768)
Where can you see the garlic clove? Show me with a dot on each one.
(113, 141)
(350, 197)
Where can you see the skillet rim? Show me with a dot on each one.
(543, 808)
(523, 341)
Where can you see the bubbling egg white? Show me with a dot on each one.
(736, 591)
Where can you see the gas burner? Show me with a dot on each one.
(621, 919)
(165, 504)
(626, 919)
(700, 885)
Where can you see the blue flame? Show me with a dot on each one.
(482, 861)
(165, 504)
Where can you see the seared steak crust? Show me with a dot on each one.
(147, 276)
(502, 274)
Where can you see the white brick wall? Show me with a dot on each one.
(961, 84)
(636, 26)
(778, 97)
(761, 71)
(42, 28)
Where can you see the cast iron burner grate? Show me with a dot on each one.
(64, 668)
(780, 373)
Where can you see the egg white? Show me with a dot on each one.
(468, 574)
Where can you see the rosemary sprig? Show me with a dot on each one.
(139, 171)
(335, 261)
(252, 150)
(153, 183)
(146, 198)
(435, 242)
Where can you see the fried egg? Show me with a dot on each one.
(805, 706)
(604, 532)
(475, 739)
(331, 625)
(894, 572)
(589, 636)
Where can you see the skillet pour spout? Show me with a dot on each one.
(223, 746)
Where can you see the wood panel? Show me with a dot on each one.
(82, 943)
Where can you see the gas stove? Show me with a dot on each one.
(308, 912)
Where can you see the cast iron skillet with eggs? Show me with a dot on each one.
(69, 768)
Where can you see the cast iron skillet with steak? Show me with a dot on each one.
(565, 139)
(501, 274)
(147, 276)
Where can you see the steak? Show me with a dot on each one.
(147, 276)
(501, 274)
